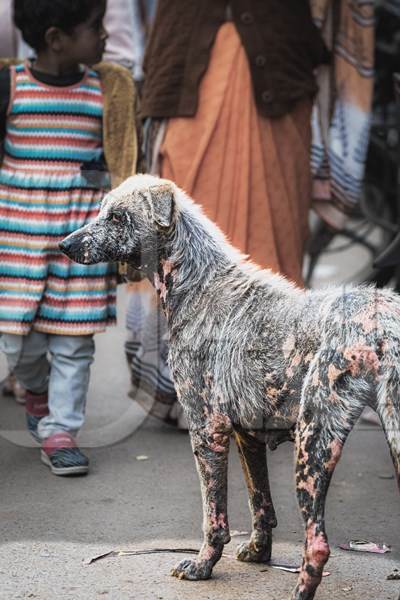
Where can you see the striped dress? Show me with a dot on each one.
(50, 132)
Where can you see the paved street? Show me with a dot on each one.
(50, 525)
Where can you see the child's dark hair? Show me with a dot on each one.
(35, 17)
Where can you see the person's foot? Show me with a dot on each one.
(61, 454)
(11, 387)
(37, 407)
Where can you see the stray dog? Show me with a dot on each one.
(245, 345)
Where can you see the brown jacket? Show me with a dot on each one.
(120, 123)
(282, 44)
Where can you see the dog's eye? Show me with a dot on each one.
(115, 218)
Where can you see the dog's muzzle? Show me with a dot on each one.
(77, 247)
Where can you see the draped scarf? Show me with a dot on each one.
(342, 111)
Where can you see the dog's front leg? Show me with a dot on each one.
(210, 446)
(253, 456)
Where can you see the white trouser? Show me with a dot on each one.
(65, 375)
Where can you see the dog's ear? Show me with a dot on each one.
(162, 204)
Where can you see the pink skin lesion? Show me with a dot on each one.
(315, 379)
(336, 451)
(316, 554)
(273, 393)
(219, 443)
(308, 485)
(362, 357)
(160, 287)
(217, 521)
(167, 268)
(317, 547)
(207, 553)
(303, 434)
(295, 361)
(218, 428)
(218, 423)
(206, 411)
(367, 319)
(333, 374)
(288, 346)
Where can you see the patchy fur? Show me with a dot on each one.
(249, 348)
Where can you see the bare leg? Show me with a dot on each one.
(252, 452)
(210, 446)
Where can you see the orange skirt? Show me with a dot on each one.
(250, 174)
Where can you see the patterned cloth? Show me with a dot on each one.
(341, 117)
(147, 351)
(51, 132)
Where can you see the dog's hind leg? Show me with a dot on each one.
(210, 447)
(329, 410)
(388, 408)
(252, 452)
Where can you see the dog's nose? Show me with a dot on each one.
(67, 246)
(63, 246)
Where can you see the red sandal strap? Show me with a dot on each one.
(37, 405)
(58, 441)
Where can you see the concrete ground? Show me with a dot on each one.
(50, 526)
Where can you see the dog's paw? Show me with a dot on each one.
(192, 569)
(300, 593)
(250, 552)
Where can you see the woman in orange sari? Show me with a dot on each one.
(227, 98)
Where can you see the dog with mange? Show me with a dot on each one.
(247, 346)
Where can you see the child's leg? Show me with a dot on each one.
(71, 358)
(27, 359)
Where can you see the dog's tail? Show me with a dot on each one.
(388, 409)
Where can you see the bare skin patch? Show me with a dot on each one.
(362, 357)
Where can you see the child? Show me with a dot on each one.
(62, 117)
